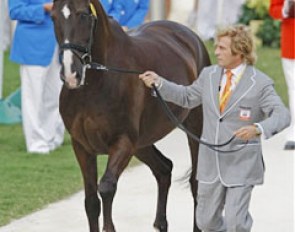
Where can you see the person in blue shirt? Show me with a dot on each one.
(128, 13)
(34, 47)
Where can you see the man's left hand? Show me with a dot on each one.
(246, 132)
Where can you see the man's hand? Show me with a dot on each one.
(246, 132)
(149, 78)
(125, 28)
(48, 6)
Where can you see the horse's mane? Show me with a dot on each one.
(107, 22)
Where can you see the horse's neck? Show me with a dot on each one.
(108, 46)
(109, 40)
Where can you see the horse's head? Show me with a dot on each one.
(74, 24)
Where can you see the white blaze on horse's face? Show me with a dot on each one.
(66, 11)
(70, 78)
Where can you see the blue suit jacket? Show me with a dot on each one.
(130, 13)
(34, 39)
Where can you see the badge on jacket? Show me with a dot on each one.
(245, 113)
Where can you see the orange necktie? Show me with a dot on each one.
(227, 91)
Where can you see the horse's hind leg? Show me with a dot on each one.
(193, 124)
(161, 167)
(88, 167)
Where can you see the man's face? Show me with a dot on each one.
(223, 53)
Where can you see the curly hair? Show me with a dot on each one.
(241, 41)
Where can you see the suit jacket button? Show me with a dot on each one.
(221, 119)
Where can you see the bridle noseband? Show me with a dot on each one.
(83, 53)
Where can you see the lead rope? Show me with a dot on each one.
(167, 110)
(175, 120)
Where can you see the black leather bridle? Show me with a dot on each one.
(82, 52)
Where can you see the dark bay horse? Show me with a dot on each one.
(114, 113)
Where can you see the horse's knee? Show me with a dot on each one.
(107, 186)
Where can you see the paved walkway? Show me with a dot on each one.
(134, 204)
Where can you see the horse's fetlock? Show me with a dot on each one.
(161, 223)
(162, 228)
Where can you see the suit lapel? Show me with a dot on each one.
(243, 87)
(215, 77)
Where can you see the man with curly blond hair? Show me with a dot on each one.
(237, 99)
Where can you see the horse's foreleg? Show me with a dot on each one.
(119, 157)
(161, 167)
(88, 167)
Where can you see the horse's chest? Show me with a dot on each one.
(97, 123)
(98, 131)
(91, 131)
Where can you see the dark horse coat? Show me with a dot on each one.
(114, 113)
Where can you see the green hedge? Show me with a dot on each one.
(269, 31)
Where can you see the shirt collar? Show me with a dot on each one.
(237, 70)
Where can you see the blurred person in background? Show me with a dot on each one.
(128, 13)
(34, 47)
(208, 15)
(284, 10)
(4, 38)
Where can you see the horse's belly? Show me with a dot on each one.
(153, 130)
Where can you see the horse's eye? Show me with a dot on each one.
(84, 18)
(84, 15)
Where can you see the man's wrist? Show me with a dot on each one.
(158, 83)
(258, 130)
